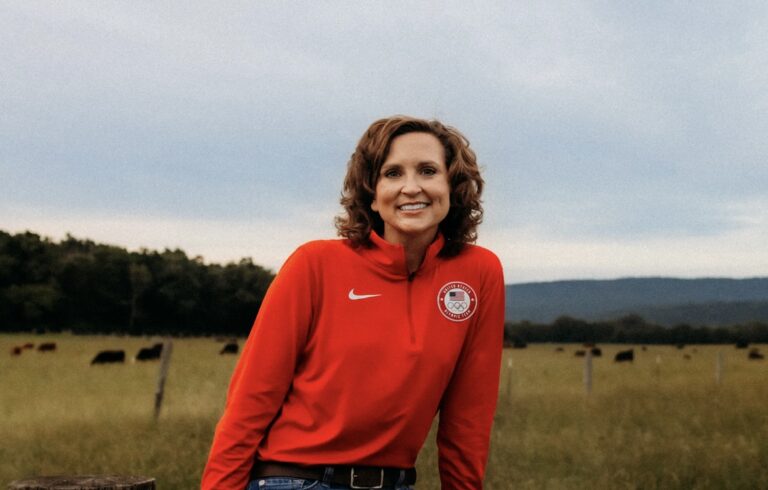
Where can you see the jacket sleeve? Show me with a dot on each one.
(262, 376)
(469, 402)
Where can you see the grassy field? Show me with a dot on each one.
(661, 422)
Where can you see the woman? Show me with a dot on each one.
(360, 342)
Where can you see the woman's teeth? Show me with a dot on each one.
(413, 207)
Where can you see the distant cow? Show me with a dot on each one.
(596, 352)
(742, 344)
(755, 354)
(28, 345)
(47, 347)
(625, 356)
(680, 346)
(580, 353)
(109, 356)
(559, 349)
(687, 357)
(230, 348)
(150, 353)
(16, 351)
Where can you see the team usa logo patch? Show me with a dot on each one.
(457, 301)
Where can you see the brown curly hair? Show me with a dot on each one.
(465, 213)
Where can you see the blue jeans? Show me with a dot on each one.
(286, 483)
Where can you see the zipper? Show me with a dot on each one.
(411, 329)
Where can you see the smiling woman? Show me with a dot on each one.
(413, 195)
(361, 341)
(379, 145)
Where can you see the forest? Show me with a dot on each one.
(85, 287)
(632, 329)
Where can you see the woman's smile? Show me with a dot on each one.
(413, 206)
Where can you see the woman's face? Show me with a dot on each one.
(412, 192)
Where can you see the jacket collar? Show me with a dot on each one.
(390, 257)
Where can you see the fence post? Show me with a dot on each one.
(719, 368)
(588, 372)
(509, 377)
(165, 362)
(84, 482)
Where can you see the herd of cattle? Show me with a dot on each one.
(117, 356)
(154, 352)
(44, 347)
(629, 354)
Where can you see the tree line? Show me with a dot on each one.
(86, 287)
(632, 329)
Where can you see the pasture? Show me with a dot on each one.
(646, 424)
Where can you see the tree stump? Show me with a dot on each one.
(84, 482)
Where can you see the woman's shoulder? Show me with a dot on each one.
(323, 246)
(315, 255)
(480, 256)
(321, 250)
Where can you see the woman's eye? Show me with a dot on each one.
(391, 173)
(429, 171)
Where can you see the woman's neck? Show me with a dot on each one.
(416, 250)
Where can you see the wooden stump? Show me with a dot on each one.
(84, 482)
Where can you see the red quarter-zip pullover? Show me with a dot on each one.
(350, 358)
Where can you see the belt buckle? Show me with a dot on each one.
(352, 477)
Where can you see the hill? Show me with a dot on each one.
(666, 301)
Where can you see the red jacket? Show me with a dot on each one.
(350, 359)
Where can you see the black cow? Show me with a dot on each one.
(755, 355)
(149, 353)
(625, 356)
(16, 351)
(109, 356)
(47, 347)
(230, 348)
(596, 352)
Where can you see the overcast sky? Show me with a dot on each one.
(616, 138)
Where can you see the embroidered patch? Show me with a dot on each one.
(457, 301)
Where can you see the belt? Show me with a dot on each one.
(352, 476)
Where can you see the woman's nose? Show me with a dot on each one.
(411, 185)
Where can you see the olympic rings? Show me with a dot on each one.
(457, 305)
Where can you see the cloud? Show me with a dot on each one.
(215, 240)
(529, 255)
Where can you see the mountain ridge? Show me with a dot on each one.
(664, 300)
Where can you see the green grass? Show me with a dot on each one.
(647, 425)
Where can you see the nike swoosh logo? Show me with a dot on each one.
(354, 296)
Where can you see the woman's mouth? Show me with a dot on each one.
(412, 206)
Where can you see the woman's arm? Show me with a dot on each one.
(262, 376)
(469, 402)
